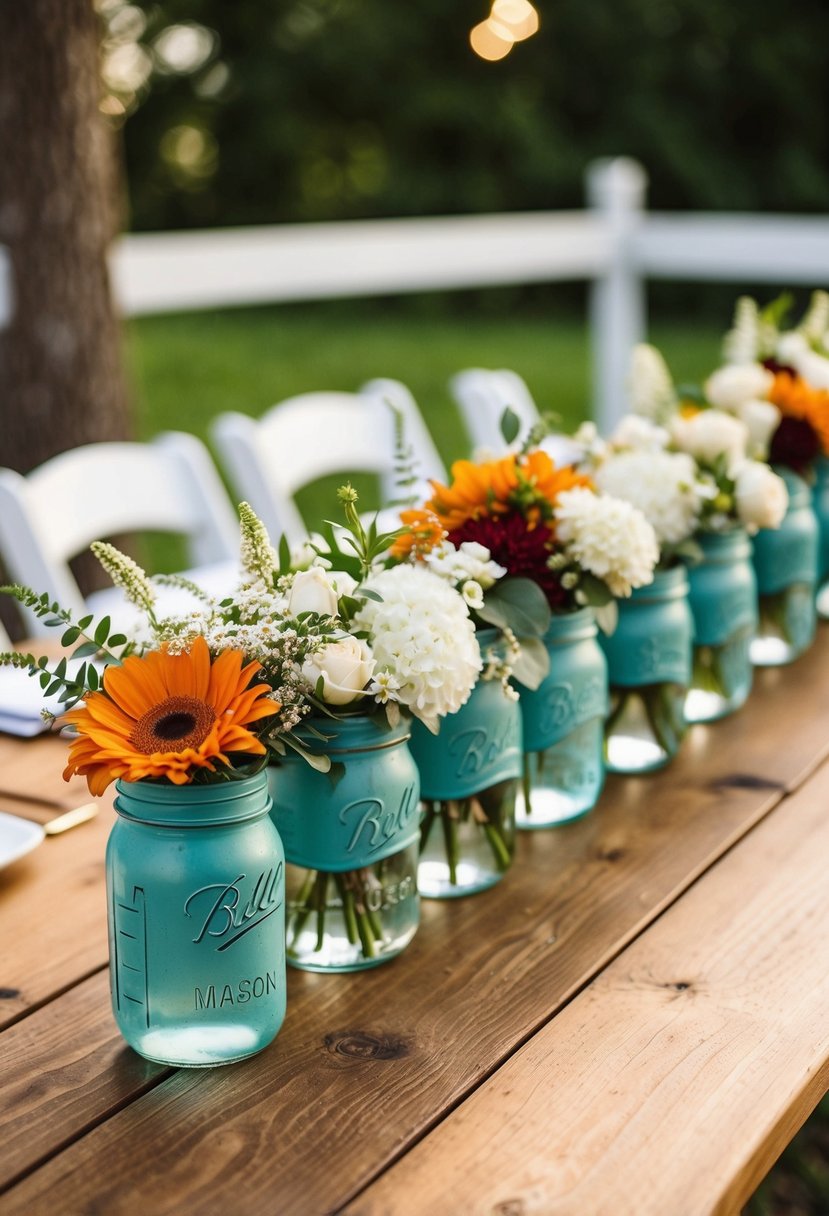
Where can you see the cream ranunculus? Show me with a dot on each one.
(346, 666)
(313, 591)
(761, 419)
(728, 387)
(761, 496)
(709, 434)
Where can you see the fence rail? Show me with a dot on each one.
(615, 244)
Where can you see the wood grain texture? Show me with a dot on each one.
(367, 1063)
(673, 1082)
(64, 1067)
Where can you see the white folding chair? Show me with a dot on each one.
(104, 489)
(267, 460)
(484, 395)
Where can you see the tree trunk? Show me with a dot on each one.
(61, 379)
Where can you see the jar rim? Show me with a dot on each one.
(194, 805)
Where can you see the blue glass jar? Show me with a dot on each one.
(786, 565)
(469, 776)
(820, 505)
(351, 842)
(196, 903)
(723, 599)
(564, 727)
(649, 669)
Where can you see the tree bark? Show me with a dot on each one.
(61, 378)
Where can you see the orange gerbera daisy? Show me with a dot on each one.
(423, 532)
(796, 398)
(528, 483)
(167, 716)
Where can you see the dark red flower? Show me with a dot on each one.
(522, 551)
(794, 444)
(773, 365)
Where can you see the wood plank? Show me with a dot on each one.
(365, 1064)
(64, 1067)
(674, 1081)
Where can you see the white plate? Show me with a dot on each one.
(17, 837)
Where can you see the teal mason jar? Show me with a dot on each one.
(469, 776)
(820, 505)
(564, 726)
(649, 668)
(786, 565)
(723, 599)
(196, 902)
(351, 842)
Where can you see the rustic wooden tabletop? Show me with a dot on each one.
(633, 1021)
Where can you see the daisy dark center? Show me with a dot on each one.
(173, 726)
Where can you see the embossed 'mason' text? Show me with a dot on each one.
(211, 997)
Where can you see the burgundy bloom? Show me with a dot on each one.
(794, 444)
(775, 366)
(523, 552)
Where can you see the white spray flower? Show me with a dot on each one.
(640, 434)
(469, 561)
(652, 392)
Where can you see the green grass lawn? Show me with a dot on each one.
(190, 367)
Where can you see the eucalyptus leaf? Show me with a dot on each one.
(102, 631)
(510, 425)
(532, 666)
(518, 604)
(594, 591)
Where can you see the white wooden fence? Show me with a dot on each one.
(615, 244)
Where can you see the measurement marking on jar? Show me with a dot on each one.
(124, 950)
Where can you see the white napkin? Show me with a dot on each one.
(22, 699)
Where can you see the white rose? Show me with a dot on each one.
(761, 496)
(313, 591)
(794, 350)
(761, 419)
(709, 434)
(346, 666)
(728, 387)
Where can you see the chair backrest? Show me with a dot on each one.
(101, 490)
(314, 434)
(483, 396)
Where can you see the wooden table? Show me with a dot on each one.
(633, 1021)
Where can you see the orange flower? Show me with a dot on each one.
(423, 532)
(796, 398)
(166, 716)
(528, 483)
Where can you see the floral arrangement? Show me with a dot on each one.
(689, 464)
(543, 525)
(776, 381)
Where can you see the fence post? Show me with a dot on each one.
(6, 295)
(616, 190)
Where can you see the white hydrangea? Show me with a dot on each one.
(709, 434)
(663, 485)
(470, 561)
(421, 633)
(651, 388)
(607, 537)
(640, 433)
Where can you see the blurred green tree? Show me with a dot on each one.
(312, 109)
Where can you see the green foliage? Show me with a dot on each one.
(328, 109)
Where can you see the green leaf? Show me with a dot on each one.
(118, 639)
(87, 649)
(518, 604)
(595, 592)
(85, 622)
(102, 631)
(70, 636)
(92, 679)
(284, 553)
(532, 665)
(510, 425)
